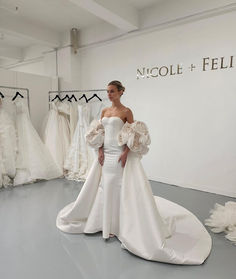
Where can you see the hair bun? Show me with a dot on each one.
(118, 84)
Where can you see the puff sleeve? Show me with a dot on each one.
(95, 134)
(136, 136)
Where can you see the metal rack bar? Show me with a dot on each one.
(75, 90)
(79, 91)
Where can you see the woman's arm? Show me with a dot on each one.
(129, 116)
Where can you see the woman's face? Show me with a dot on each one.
(113, 93)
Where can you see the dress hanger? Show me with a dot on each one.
(73, 97)
(84, 96)
(56, 97)
(94, 95)
(16, 95)
(66, 97)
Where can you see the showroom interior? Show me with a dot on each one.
(177, 61)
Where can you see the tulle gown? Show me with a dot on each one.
(120, 201)
(73, 118)
(34, 160)
(8, 148)
(52, 135)
(64, 127)
(223, 219)
(80, 156)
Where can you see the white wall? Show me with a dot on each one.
(35, 67)
(191, 117)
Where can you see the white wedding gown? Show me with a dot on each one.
(80, 156)
(64, 127)
(52, 135)
(34, 160)
(120, 201)
(8, 148)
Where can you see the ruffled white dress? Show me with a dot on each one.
(8, 148)
(120, 201)
(79, 157)
(34, 160)
(223, 219)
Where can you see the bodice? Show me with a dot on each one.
(112, 126)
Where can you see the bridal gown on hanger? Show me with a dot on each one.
(52, 136)
(120, 201)
(79, 157)
(64, 127)
(73, 118)
(96, 108)
(8, 148)
(34, 160)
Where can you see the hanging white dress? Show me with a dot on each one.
(52, 136)
(223, 219)
(80, 156)
(5, 180)
(64, 127)
(73, 118)
(34, 160)
(8, 148)
(120, 201)
(96, 108)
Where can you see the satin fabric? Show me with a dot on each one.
(148, 226)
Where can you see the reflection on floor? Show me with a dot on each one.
(31, 247)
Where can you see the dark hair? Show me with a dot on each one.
(118, 84)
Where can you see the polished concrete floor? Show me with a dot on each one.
(31, 247)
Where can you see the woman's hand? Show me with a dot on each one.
(123, 158)
(101, 156)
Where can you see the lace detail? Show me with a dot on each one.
(95, 134)
(136, 136)
(8, 149)
(80, 156)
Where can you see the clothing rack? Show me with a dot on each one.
(19, 89)
(74, 91)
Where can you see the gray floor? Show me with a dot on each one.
(31, 246)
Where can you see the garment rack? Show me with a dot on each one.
(74, 91)
(20, 89)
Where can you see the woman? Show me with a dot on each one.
(117, 199)
(115, 156)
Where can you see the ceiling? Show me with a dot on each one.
(58, 15)
(45, 22)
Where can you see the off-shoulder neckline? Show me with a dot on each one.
(114, 117)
